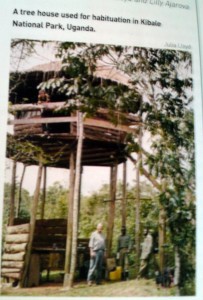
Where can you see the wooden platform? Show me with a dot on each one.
(104, 140)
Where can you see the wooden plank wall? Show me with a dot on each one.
(50, 233)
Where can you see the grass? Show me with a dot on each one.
(130, 288)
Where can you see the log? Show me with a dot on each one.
(15, 248)
(25, 228)
(12, 275)
(13, 257)
(12, 264)
(10, 270)
(17, 238)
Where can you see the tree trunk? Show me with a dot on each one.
(177, 271)
(44, 194)
(70, 219)
(111, 214)
(32, 226)
(76, 200)
(162, 238)
(124, 194)
(12, 199)
(20, 192)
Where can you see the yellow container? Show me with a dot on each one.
(118, 271)
(113, 275)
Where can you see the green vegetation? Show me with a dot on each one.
(159, 92)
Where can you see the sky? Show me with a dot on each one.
(92, 178)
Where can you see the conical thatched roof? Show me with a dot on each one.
(103, 71)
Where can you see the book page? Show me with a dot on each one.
(101, 105)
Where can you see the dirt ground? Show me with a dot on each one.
(128, 288)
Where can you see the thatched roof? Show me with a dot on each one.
(54, 66)
(23, 85)
(103, 71)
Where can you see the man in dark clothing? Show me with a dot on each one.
(123, 249)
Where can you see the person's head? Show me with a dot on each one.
(99, 227)
(123, 230)
(42, 92)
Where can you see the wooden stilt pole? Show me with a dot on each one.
(137, 208)
(33, 213)
(20, 192)
(124, 194)
(162, 238)
(12, 199)
(70, 219)
(44, 194)
(137, 214)
(76, 200)
(79, 204)
(111, 215)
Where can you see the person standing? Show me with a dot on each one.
(123, 249)
(97, 247)
(147, 246)
(43, 97)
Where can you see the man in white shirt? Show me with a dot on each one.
(97, 247)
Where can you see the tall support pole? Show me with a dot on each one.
(12, 199)
(137, 214)
(33, 213)
(137, 204)
(162, 237)
(20, 192)
(43, 194)
(79, 204)
(124, 194)
(76, 200)
(162, 229)
(70, 219)
(111, 215)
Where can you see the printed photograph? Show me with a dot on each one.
(99, 193)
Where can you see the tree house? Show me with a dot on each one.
(54, 133)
